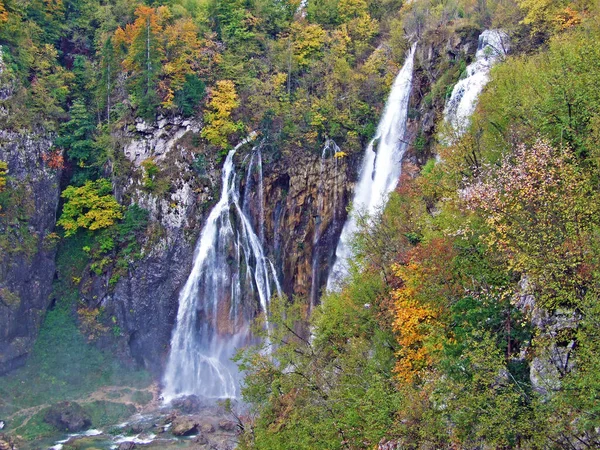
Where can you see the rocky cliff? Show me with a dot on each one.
(27, 242)
(304, 200)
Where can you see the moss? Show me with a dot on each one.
(9, 298)
(105, 413)
(142, 397)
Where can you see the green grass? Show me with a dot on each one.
(63, 364)
(105, 413)
(142, 397)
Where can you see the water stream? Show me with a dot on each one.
(381, 166)
(492, 46)
(231, 279)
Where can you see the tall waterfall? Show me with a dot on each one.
(492, 46)
(329, 150)
(216, 304)
(381, 166)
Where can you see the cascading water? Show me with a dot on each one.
(329, 150)
(229, 269)
(381, 166)
(492, 46)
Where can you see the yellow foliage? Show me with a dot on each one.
(3, 172)
(340, 154)
(3, 13)
(547, 14)
(308, 41)
(413, 322)
(219, 125)
(427, 287)
(89, 320)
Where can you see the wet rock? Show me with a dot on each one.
(127, 446)
(207, 427)
(68, 416)
(184, 426)
(227, 425)
(27, 270)
(200, 440)
(188, 405)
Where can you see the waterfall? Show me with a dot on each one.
(381, 166)
(329, 150)
(215, 311)
(492, 46)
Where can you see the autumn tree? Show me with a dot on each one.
(3, 172)
(143, 56)
(427, 288)
(541, 212)
(3, 12)
(91, 207)
(219, 124)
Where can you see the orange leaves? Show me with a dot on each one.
(568, 18)
(3, 13)
(165, 50)
(54, 159)
(427, 286)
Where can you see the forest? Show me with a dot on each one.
(470, 315)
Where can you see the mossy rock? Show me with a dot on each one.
(68, 416)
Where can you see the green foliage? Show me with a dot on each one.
(333, 390)
(190, 95)
(550, 93)
(150, 172)
(90, 207)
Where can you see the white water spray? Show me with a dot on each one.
(492, 46)
(215, 305)
(381, 166)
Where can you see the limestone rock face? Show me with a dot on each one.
(26, 243)
(303, 209)
(554, 340)
(144, 302)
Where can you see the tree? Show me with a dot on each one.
(144, 54)
(219, 125)
(3, 172)
(91, 207)
(541, 212)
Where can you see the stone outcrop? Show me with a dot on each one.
(554, 340)
(302, 193)
(305, 196)
(68, 416)
(26, 243)
(144, 301)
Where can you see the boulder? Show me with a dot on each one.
(227, 425)
(6, 443)
(200, 440)
(184, 426)
(188, 405)
(68, 416)
(207, 427)
(127, 446)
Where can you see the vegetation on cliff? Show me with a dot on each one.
(468, 318)
(470, 315)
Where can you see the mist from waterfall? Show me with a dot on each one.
(492, 46)
(381, 167)
(218, 301)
